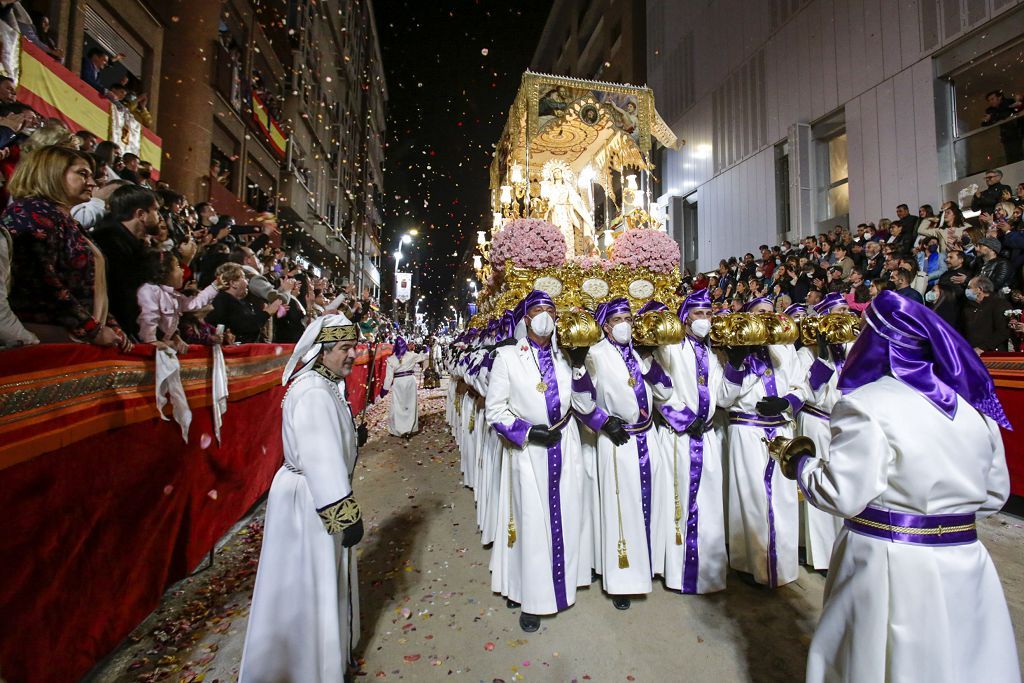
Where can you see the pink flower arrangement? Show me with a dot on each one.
(646, 248)
(588, 262)
(528, 243)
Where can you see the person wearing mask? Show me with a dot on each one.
(59, 291)
(696, 560)
(615, 389)
(873, 262)
(915, 459)
(992, 266)
(823, 364)
(943, 299)
(930, 261)
(529, 404)
(761, 384)
(121, 236)
(232, 309)
(983, 318)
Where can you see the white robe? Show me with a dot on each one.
(404, 417)
(488, 449)
(702, 519)
(304, 619)
(542, 580)
(819, 527)
(755, 519)
(896, 611)
(613, 396)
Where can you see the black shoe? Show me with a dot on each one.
(529, 622)
(511, 604)
(593, 576)
(622, 603)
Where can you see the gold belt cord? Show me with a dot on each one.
(623, 556)
(511, 519)
(675, 482)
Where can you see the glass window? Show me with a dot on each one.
(834, 192)
(988, 99)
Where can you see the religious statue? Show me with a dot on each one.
(566, 207)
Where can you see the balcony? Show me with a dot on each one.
(56, 92)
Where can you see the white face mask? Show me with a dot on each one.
(622, 332)
(700, 327)
(759, 273)
(214, 219)
(542, 324)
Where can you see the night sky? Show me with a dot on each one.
(452, 71)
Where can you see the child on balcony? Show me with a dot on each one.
(161, 305)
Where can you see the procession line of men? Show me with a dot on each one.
(612, 461)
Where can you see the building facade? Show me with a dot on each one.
(261, 105)
(594, 39)
(799, 115)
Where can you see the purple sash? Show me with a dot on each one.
(906, 527)
(640, 390)
(691, 560)
(405, 373)
(554, 406)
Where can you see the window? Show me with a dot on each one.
(833, 170)
(988, 121)
(782, 188)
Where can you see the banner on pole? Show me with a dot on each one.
(403, 286)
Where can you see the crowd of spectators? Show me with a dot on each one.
(970, 271)
(94, 250)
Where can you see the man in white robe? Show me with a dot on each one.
(400, 379)
(304, 620)
(763, 513)
(822, 366)
(696, 559)
(916, 458)
(529, 404)
(614, 392)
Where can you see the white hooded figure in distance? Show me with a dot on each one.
(304, 620)
(400, 380)
(916, 457)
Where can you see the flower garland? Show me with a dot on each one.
(528, 243)
(646, 248)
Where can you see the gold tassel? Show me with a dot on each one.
(472, 421)
(623, 557)
(675, 483)
(511, 519)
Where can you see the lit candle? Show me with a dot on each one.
(481, 237)
(517, 173)
(497, 220)
(477, 262)
(506, 194)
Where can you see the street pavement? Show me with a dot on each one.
(428, 613)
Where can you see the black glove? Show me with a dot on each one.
(353, 534)
(822, 347)
(695, 430)
(362, 434)
(660, 421)
(615, 430)
(772, 405)
(577, 357)
(539, 435)
(736, 355)
(644, 351)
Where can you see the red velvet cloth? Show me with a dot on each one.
(95, 531)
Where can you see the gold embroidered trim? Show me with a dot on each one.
(327, 372)
(341, 515)
(338, 333)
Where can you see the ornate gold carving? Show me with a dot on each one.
(341, 515)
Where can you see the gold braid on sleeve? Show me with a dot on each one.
(341, 515)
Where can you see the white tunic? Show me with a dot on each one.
(902, 612)
(819, 527)
(404, 417)
(763, 529)
(304, 620)
(697, 479)
(542, 567)
(622, 467)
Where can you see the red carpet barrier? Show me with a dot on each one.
(1008, 372)
(104, 505)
